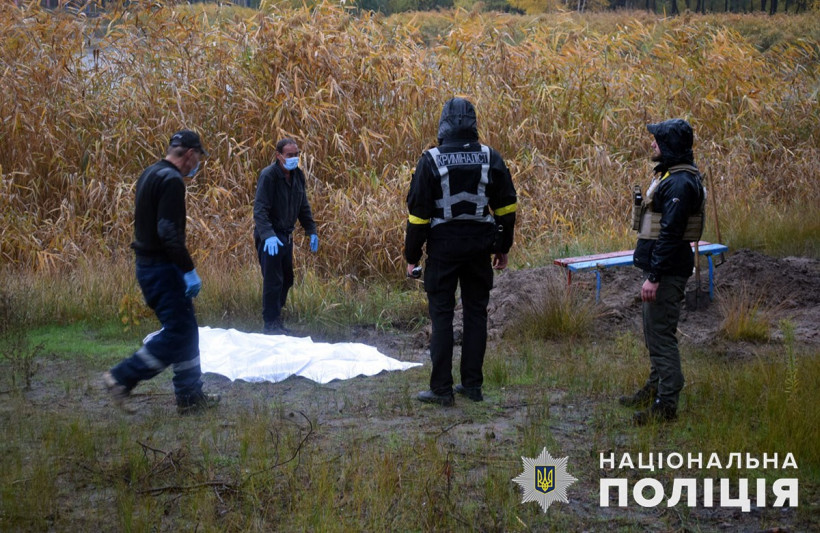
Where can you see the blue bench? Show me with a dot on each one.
(624, 258)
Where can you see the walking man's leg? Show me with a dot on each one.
(177, 343)
(157, 282)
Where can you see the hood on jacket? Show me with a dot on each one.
(674, 138)
(458, 121)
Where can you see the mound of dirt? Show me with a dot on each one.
(784, 288)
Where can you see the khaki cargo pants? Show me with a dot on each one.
(660, 325)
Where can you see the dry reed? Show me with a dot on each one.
(88, 103)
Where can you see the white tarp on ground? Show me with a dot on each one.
(258, 357)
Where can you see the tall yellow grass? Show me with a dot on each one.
(88, 103)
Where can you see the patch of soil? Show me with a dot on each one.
(379, 407)
(787, 288)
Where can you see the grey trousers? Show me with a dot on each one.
(660, 325)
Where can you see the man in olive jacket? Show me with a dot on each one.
(673, 217)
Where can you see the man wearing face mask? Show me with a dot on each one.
(281, 200)
(168, 279)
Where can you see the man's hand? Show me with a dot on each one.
(314, 243)
(192, 283)
(648, 291)
(413, 271)
(500, 261)
(272, 245)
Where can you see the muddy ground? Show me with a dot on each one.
(782, 288)
(789, 288)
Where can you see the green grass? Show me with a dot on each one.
(96, 295)
(555, 310)
(258, 463)
(791, 231)
(362, 454)
(98, 342)
(745, 315)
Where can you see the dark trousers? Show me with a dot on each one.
(441, 277)
(176, 344)
(660, 326)
(277, 278)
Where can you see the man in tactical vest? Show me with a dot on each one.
(462, 204)
(671, 215)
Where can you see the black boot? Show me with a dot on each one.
(277, 327)
(429, 396)
(643, 398)
(473, 393)
(658, 413)
(197, 404)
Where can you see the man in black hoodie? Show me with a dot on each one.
(281, 200)
(462, 204)
(671, 217)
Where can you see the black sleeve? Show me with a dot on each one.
(262, 206)
(414, 241)
(420, 211)
(305, 214)
(171, 223)
(676, 200)
(503, 199)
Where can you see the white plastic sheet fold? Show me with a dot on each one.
(258, 357)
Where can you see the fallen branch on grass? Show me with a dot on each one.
(292, 457)
(224, 485)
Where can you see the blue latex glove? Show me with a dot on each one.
(272, 245)
(192, 283)
(314, 243)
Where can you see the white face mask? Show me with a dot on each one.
(291, 162)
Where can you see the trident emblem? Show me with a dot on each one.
(545, 479)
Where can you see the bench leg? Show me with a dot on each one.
(711, 278)
(597, 285)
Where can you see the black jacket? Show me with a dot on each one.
(461, 153)
(279, 204)
(159, 216)
(679, 195)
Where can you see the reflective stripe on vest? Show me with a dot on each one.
(651, 221)
(479, 198)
